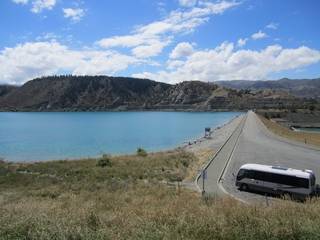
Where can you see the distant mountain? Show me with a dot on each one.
(103, 93)
(306, 88)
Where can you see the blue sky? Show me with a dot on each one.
(169, 41)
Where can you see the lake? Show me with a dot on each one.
(50, 136)
(309, 129)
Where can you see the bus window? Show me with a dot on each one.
(251, 174)
(241, 174)
(280, 179)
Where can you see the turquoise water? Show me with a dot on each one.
(49, 136)
(316, 130)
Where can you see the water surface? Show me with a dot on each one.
(49, 136)
(309, 129)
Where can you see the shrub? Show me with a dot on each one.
(2, 161)
(141, 152)
(312, 108)
(105, 161)
(185, 162)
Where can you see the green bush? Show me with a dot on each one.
(105, 161)
(141, 152)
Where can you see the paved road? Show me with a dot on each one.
(252, 142)
(217, 165)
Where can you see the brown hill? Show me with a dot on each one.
(103, 93)
(304, 88)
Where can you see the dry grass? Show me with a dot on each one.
(125, 200)
(309, 138)
(202, 155)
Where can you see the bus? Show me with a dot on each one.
(276, 180)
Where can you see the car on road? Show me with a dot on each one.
(276, 180)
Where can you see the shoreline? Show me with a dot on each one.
(217, 131)
(125, 110)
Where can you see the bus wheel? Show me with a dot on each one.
(244, 187)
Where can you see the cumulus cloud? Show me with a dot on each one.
(242, 42)
(149, 36)
(259, 35)
(173, 64)
(183, 49)
(226, 63)
(75, 14)
(187, 3)
(149, 50)
(20, 1)
(39, 5)
(34, 59)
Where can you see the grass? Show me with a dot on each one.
(304, 137)
(202, 155)
(126, 197)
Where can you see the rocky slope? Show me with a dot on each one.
(305, 88)
(6, 89)
(103, 93)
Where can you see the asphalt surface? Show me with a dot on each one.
(215, 168)
(252, 142)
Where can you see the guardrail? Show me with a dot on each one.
(231, 153)
(214, 156)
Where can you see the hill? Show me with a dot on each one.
(305, 88)
(103, 93)
(6, 89)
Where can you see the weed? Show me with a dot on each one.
(141, 152)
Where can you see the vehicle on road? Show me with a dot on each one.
(276, 180)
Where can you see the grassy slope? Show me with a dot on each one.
(309, 138)
(80, 200)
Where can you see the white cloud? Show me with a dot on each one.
(39, 5)
(242, 42)
(173, 64)
(20, 1)
(226, 63)
(259, 35)
(148, 36)
(273, 26)
(183, 49)
(75, 14)
(34, 59)
(187, 3)
(149, 50)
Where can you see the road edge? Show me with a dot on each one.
(216, 153)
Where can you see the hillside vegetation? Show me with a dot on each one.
(127, 197)
(304, 88)
(103, 93)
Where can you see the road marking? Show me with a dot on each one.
(214, 156)
(228, 162)
(224, 170)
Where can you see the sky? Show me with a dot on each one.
(163, 40)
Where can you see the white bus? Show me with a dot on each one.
(276, 180)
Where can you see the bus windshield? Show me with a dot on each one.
(241, 174)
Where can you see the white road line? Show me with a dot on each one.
(214, 156)
(227, 165)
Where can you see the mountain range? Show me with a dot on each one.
(104, 93)
(306, 88)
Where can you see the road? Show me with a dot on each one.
(252, 142)
(217, 165)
